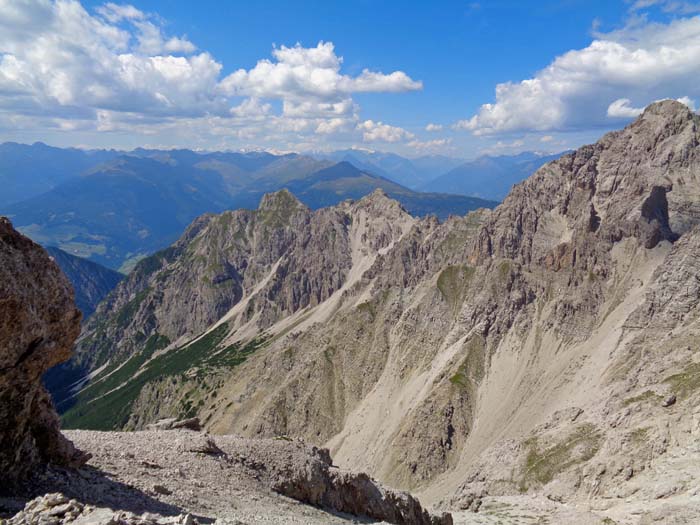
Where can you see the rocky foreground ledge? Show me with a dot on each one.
(187, 477)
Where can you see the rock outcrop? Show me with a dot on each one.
(185, 477)
(56, 509)
(38, 325)
(307, 474)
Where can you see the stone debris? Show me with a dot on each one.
(200, 443)
(669, 401)
(57, 509)
(160, 489)
(170, 474)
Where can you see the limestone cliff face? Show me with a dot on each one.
(466, 338)
(298, 257)
(38, 325)
(506, 351)
(238, 273)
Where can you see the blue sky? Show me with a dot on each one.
(457, 78)
(460, 50)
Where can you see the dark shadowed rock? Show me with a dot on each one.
(669, 401)
(38, 325)
(91, 281)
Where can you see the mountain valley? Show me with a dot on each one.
(545, 348)
(329, 263)
(91, 282)
(489, 177)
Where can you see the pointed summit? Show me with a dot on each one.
(377, 195)
(665, 118)
(379, 205)
(280, 200)
(667, 109)
(277, 209)
(379, 199)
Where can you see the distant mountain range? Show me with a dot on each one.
(126, 206)
(489, 177)
(29, 170)
(412, 173)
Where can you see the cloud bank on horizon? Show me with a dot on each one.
(114, 70)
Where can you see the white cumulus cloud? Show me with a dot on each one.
(622, 108)
(332, 126)
(379, 132)
(433, 127)
(57, 59)
(680, 7)
(688, 102)
(616, 75)
(118, 12)
(299, 73)
(116, 69)
(430, 145)
(251, 107)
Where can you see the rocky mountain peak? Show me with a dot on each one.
(378, 202)
(668, 110)
(664, 136)
(631, 183)
(282, 200)
(378, 196)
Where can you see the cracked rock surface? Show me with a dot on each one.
(38, 325)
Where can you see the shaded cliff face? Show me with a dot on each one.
(91, 281)
(507, 351)
(38, 325)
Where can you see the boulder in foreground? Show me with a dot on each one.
(38, 325)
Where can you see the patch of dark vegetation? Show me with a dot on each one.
(106, 404)
(151, 264)
(368, 308)
(641, 398)
(685, 383)
(472, 369)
